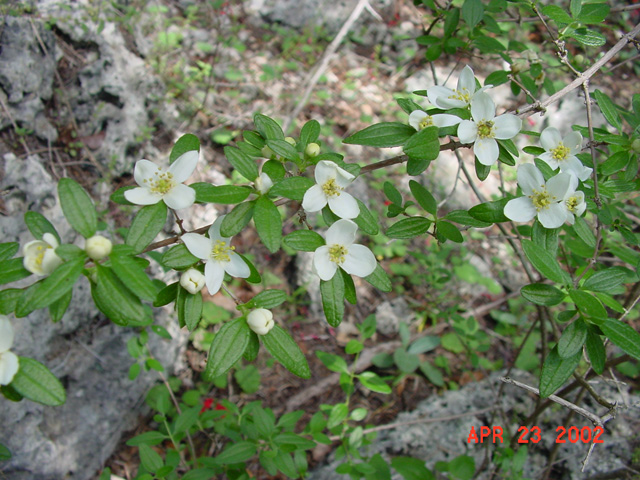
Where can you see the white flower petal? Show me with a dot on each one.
(184, 166)
(553, 217)
(6, 334)
(314, 199)
(214, 231)
(467, 131)
(144, 170)
(325, 268)
(344, 205)
(198, 245)
(325, 170)
(559, 185)
(180, 196)
(507, 126)
(530, 178)
(548, 158)
(237, 267)
(359, 261)
(343, 178)
(342, 232)
(213, 274)
(8, 367)
(574, 166)
(520, 209)
(50, 239)
(573, 141)
(467, 80)
(450, 102)
(50, 261)
(487, 151)
(437, 93)
(445, 120)
(142, 196)
(416, 117)
(550, 138)
(482, 107)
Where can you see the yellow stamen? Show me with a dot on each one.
(220, 251)
(426, 122)
(462, 95)
(330, 188)
(485, 129)
(541, 199)
(337, 253)
(560, 152)
(572, 203)
(162, 183)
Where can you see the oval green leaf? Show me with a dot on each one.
(227, 347)
(146, 225)
(35, 382)
(77, 207)
(284, 349)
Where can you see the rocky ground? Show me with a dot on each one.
(87, 89)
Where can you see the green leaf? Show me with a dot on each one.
(118, 196)
(178, 257)
(35, 382)
(432, 373)
(584, 233)
(596, 351)
(333, 292)
(274, 169)
(268, 128)
(333, 362)
(292, 187)
(606, 280)
(575, 7)
(462, 217)
(146, 225)
(622, 335)
(557, 14)
(411, 468)
(242, 162)
(254, 275)
(59, 307)
(149, 458)
(284, 349)
(349, 288)
(588, 37)
(253, 347)
(189, 307)
(222, 194)
(556, 371)
(227, 347)
(238, 452)
(133, 276)
(9, 300)
(167, 295)
(472, 12)
(77, 207)
(406, 362)
(386, 134)
(415, 166)
(373, 382)
(380, 279)
(185, 143)
(309, 133)
(366, 220)
(147, 438)
(304, 240)
(5, 453)
(187, 419)
(424, 197)
(8, 250)
(490, 212)
(268, 223)
(12, 270)
(294, 440)
(424, 344)
(462, 467)
(70, 252)
(116, 301)
(592, 13)
(546, 238)
(409, 227)
(497, 78)
(451, 22)
(392, 193)
(608, 109)
(47, 291)
(38, 225)
(237, 219)
(268, 299)
(284, 149)
(449, 231)
(572, 339)
(542, 294)
(588, 305)
(423, 145)
(544, 262)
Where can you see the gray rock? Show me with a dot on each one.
(389, 314)
(84, 350)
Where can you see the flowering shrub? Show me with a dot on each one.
(573, 195)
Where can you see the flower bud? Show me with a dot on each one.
(290, 140)
(192, 281)
(8, 360)
(312, 150)
(40, 255)
(263, 183)
(635, 145)
(98, 247)
(267, 152)
(260, 321)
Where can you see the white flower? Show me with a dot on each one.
(486, 127)
(445, 98)
(263, 183)
(312, 150)
(331, 180)
(98, 247)
(561, 152)
(8, 360)
(260, 321)
(219, 255)
(573, 202)
(420, 120)
(158, 184)
(192, 281)
(340, 251)
(40, 255)
(544, 200)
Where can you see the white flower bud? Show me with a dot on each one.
(263, 183)
(8, 360)
(260, 321)
(40, 255)
(312, 150)
(290, 140)
(192, 281)
(98, 247)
